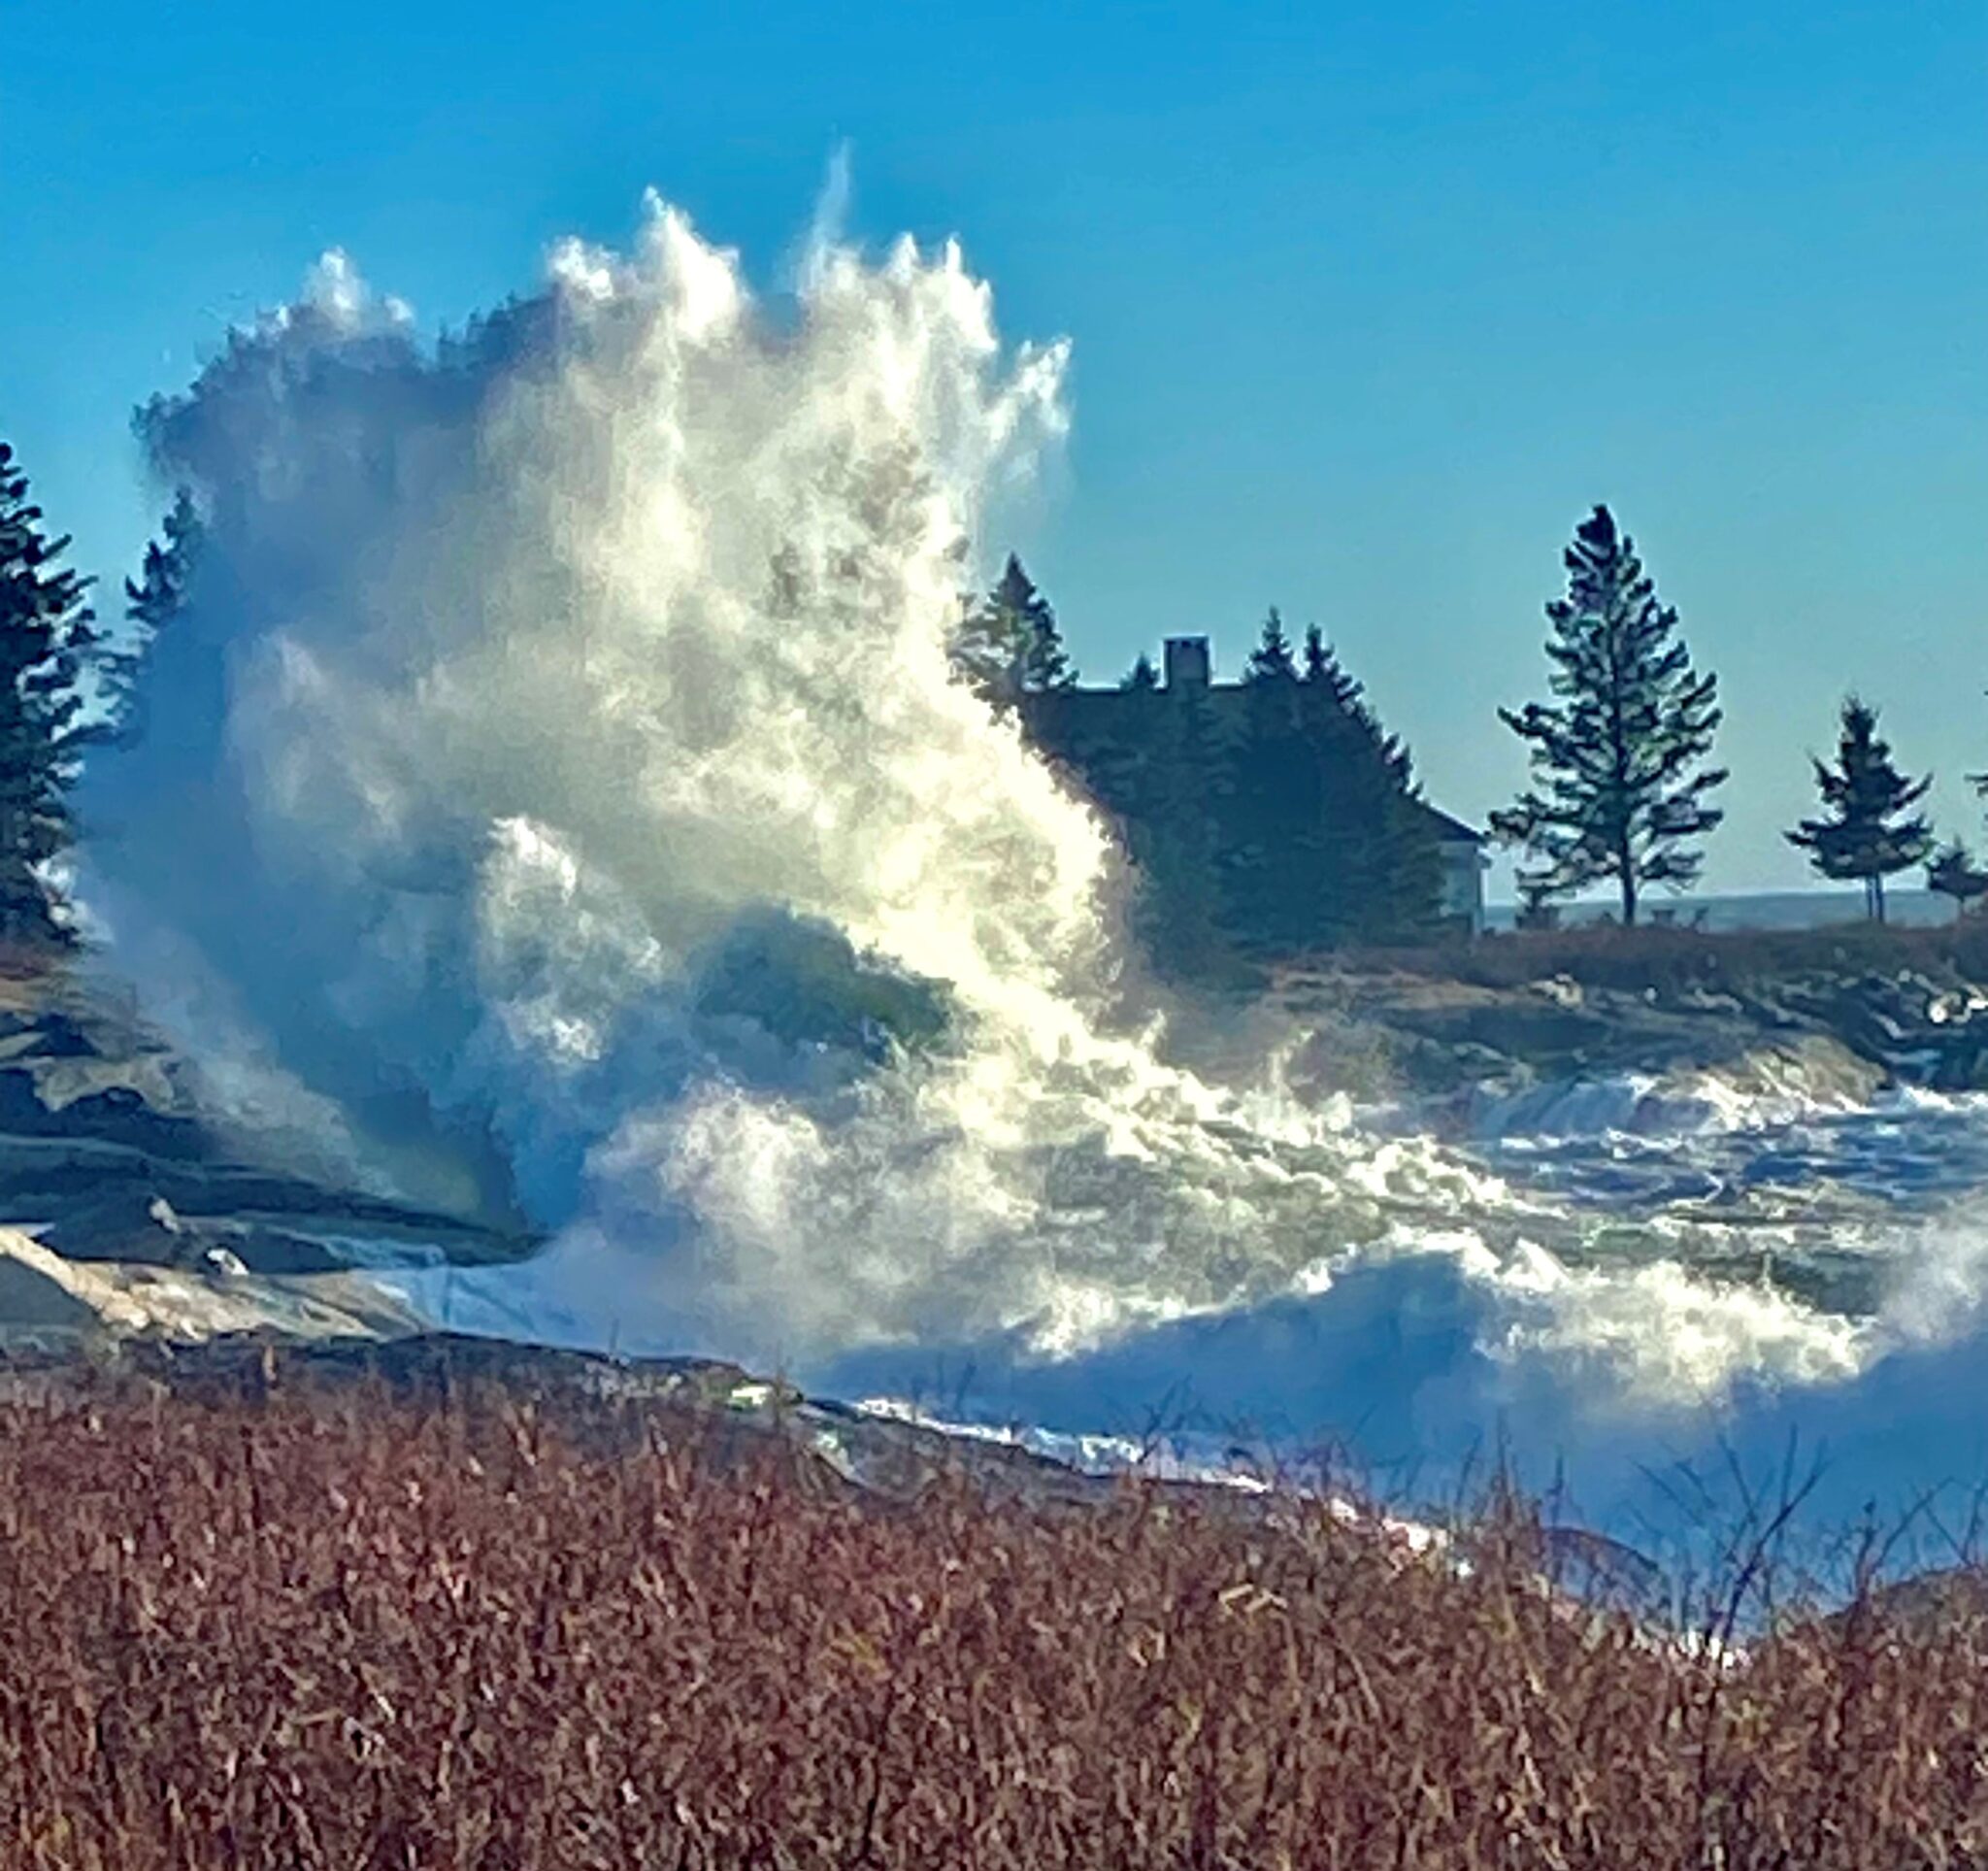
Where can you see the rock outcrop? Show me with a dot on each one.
(1839, 1036)
(53, 1306)
(108, 1153)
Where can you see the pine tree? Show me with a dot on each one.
(1865, 831)
(1382, 877)
(46, 637)
(1045, 663)
(1271, 660)
(987, 654)
(1272, 817)
(1953, 872)
(1619, 791)
(1009, 643)
(1322, 666)
(1325, 839)
(151, 602)
(1329, 687)
(1537, 909)
(1142, 677)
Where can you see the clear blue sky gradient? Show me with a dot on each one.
(1370, 302)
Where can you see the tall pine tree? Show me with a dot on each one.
(1009, 643)
(1272, 661)
(1274, 848)
(1321, 664)
(1381, 879)
(1868, 830)
(1045, 663)
(151, 601)
(1619, 791)
(1325, 841)
(45, 638)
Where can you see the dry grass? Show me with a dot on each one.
(1670, 958)
(349, 1630)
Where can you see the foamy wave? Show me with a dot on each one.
(1769, 1093)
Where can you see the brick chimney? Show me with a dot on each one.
(1187, 662)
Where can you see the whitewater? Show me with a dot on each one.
(560, 804)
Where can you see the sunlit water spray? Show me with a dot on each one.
(560, 708)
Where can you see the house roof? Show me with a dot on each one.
(1452, 831)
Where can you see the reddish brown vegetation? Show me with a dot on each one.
(354, 1631)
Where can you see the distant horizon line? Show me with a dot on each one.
(1685, 901)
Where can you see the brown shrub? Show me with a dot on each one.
(356, 1630)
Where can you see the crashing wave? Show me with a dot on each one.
(561, 776)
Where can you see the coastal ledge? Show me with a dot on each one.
(1850, 1012)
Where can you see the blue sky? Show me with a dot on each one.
(1369, 303)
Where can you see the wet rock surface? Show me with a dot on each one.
(1842, 1035)
(54, 1307)
(108, 1153)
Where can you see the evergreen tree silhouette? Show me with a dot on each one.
(46, 641)
(1868, 830)
(1953, 872)
(1009, 643)
(151, 601)
(1380, 880)
(1619, 791)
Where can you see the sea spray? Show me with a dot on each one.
(535, 681)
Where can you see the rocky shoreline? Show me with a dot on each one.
(1840, 1034)
(111, 1150)
(140, 1234)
